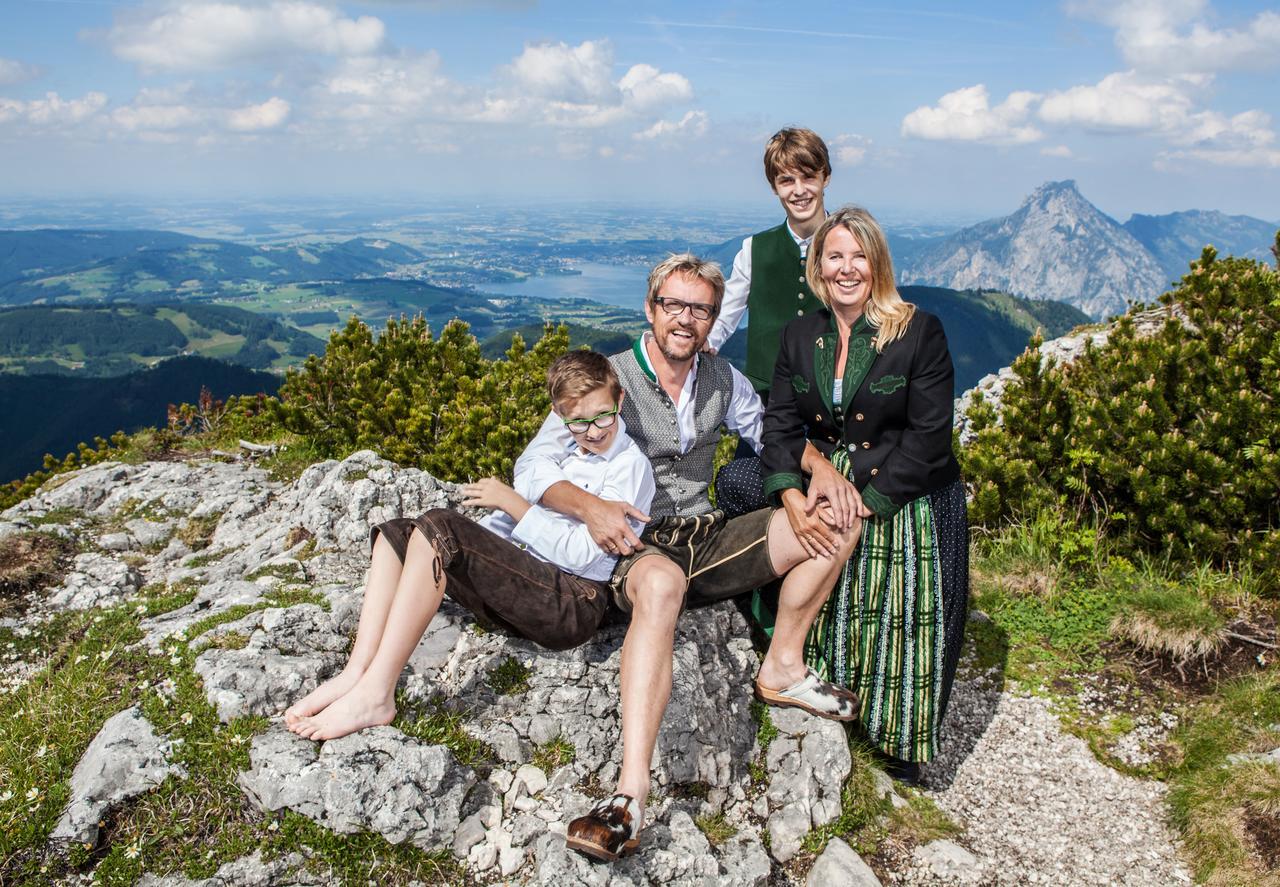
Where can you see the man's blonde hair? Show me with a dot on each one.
(885, 310)
(687, 265)
(800, 149)
(574, 375)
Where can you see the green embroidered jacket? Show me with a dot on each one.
(894, 417)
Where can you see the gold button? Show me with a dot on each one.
(818, 418)
(866, 444)
(875, 471)
(858, 417)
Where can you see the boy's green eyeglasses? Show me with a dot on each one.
(600, 420)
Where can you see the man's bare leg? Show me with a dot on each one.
(379, 590)
(371, 701)
(656, 588)
(808, 584)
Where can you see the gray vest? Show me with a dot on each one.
(682, 478)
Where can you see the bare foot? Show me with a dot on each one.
(352, 712)
(315, 701)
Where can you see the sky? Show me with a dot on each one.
(935, 109)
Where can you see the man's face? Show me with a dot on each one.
(680, 336)
(800, 193)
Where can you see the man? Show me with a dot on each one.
(678, 399)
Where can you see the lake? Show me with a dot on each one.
(622, 285)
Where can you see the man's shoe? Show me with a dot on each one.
(816, 696)
(610, 830)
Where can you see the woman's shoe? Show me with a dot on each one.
(609, 830)
(816, 696)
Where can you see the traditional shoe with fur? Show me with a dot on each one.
(816, 696)
(611, 829)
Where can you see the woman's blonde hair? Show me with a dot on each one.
(887, 313)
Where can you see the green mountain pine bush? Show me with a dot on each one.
(1169, 443)
(415, 399)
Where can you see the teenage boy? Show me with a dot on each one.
(534, 572)
(678, 398)
(768, 273)
(768, 280)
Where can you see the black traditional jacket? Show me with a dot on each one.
(894, 417)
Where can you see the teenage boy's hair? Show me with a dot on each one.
(799, 149)
(578, 373)
(688, 265)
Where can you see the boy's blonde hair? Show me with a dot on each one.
(887, 313)
(688, 265)
(578, 373)
(799, 149)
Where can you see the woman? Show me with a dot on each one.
(868, 381)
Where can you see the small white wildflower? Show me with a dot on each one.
(172, 651)
(42, 751)
(140, 609)
(237, 739)
(80, 658)
(186, 717)
(144, 685)
(8, 795)
(175, 660)
(273, 826)
(106, 654)
(133, 851)
(33, 793)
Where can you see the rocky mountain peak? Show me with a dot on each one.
(1056, 245)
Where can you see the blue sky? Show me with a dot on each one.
(930, 108)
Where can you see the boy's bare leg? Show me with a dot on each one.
(379, 590)
(805, 589)
(371, 701)
(656, 589)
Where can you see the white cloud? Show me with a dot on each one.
(572, 87)
(153, 118)
(1056, 151)
(559, 72)
(694, 124)
(850, 149)
(52, 110)
(14, 71)
(195, 36)
(254, 118)
(1171, 35)
(1124, 101)
(391, 88)
(967, 115)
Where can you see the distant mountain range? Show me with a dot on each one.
(137, 266)
(1059, 246)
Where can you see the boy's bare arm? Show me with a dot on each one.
(606, 519)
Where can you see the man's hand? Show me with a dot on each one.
(825, 482)
(606, 521)
(814, 533)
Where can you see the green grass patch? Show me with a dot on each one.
(509, 677)
(29, 561)
(60, 515)
(210, 557)
(554, 754)
(860, 808)
(280, 571)
(197, 532)
(434, 724)
(766, 732)
(716, 828)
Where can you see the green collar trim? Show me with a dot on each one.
(861, 355)
(637, 348)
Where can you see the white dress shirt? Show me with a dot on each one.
(622, 473)
(738, 288)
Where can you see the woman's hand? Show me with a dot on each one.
(811, 529)
(825, 482)
(490, 492)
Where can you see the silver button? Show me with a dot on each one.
(799, 313)
(800, 296)
(801, 278)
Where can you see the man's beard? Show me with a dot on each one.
(665, 346)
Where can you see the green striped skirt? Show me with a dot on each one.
(892, 628)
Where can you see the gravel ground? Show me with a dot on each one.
(1036, 806)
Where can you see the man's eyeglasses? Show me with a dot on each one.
(675, 307)
(600, 420)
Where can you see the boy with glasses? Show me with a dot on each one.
(529, 570)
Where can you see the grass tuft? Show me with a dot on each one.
(716, 828)
(433, 724)
(554, 754)
(29, 561)
(509, 677)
